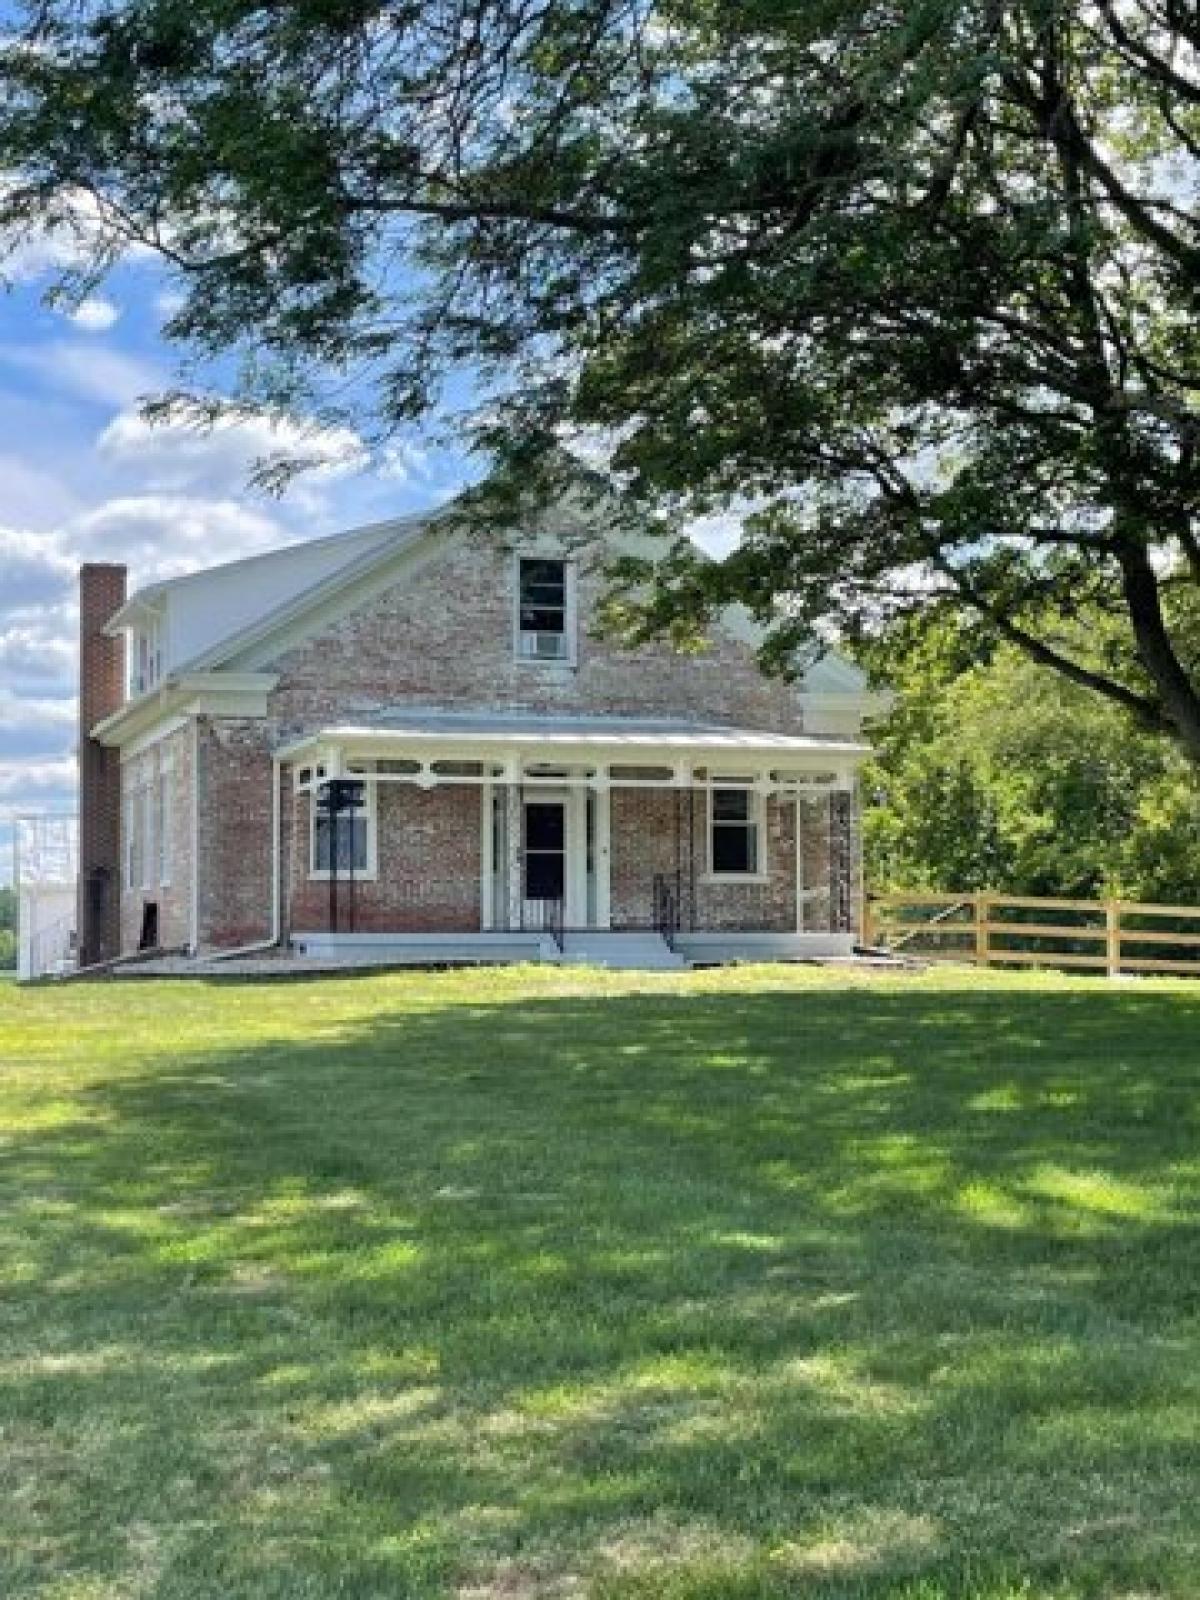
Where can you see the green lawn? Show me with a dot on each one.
(521, 1285)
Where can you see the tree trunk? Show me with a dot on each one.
(1180, 700)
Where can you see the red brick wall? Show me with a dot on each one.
(101, 691)
(831, 863)
(444, 637)
(650, 836)
(234, 828)
(642, 826)
(429, 860)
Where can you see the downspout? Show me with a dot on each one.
(194, 941)
(798, 823)
(272, 943)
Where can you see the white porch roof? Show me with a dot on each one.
(620, 737)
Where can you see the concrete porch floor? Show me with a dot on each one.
(287, 964)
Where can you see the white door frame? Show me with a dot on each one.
(573, 800)
(575, 904)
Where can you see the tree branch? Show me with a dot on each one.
(1147, 711)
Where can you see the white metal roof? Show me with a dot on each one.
(317, 557)
(392, 728)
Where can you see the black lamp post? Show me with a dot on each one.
(337, 797)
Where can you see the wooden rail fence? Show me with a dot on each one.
(1111, 936)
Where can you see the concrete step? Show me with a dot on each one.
(424, 949)
(639, 951)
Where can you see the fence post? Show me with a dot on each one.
(983, 915)
(1112, 928)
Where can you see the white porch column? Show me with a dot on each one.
(602, 852)
(487, 869)
(513, 822)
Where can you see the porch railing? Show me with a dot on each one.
(544, 916)
(666, 909)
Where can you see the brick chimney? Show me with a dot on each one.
(102, 591)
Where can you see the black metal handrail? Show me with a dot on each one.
(555, 916)
(546, 914)
(666, 909)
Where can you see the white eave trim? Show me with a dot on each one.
(222, 694)
(147, 604)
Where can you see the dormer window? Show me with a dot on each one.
(545, 610)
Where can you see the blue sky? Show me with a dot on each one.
(82, 478)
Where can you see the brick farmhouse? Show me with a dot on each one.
(410, 741)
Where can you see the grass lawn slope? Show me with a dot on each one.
(525, 1285)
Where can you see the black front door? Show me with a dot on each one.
(544, 856)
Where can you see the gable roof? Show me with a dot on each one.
(361, 562)
(393, 540)
(325, 554)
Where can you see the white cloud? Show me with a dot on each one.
(47, 252)
(31, 785)
(95, 315)
(37, 657)
(41, 253)
(37, 729)
(18, 712)
(169, 302)
(32, 497)
(86, 370)
(403, 461)
(177, 456)
(35, 571)
(38, 651)
(162, 536)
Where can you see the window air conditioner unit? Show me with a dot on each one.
(544, 646)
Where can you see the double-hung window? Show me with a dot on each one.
(735, 833)
(146, 835)
(145, 657)
(544, 610)
(129, 844)
(345, 833)
(162, 829)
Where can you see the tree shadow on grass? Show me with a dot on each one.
(743, 1294)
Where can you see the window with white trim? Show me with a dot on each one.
(129, 837)
(162, 828)
(545, 610)
(734, 832)
(145, 657)
(146, 835)
(349, 837)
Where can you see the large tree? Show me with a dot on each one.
(913, 284)
(995, 774)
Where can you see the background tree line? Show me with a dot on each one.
(8, 930)
(993, 772)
